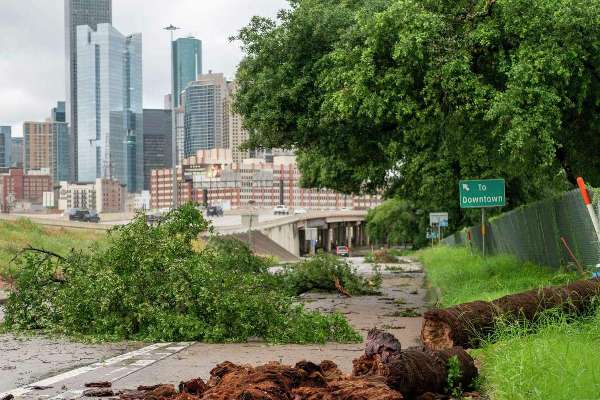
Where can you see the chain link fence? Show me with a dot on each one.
(533, 232)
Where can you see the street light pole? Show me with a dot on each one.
(175, 188)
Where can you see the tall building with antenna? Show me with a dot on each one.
(79, 12)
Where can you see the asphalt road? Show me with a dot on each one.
(37, 367)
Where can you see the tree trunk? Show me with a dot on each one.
(466, 324)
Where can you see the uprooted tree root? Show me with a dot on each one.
(384, 372)
(414, 371)
(466, 324)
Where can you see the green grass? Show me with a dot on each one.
(14, 236)
(556, 358)
(462, 277)
(559, 361)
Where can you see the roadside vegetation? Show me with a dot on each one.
(163, 283)
(482, 279)
(323, 272)
(15, 236)
(553, 358)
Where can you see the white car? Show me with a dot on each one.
(299, 211)
(281, 209)
(345, 209)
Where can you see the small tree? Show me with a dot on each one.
(393, 222)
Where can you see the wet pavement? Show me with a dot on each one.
(55, 366)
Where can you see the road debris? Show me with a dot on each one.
(414, 371)
(466, 324)
(384, 372)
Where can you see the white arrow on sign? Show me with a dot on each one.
(466, 187)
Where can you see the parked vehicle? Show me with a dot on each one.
(298, 211)
(214, 211)
(281, 210)
(84, 216)
(342, 251)
(153, 218)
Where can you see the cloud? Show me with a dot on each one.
(32, 55)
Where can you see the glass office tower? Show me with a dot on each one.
(157, 142)
(187, 64)
(204, 103)
(5, 145)
(109, 108)
(79, 12)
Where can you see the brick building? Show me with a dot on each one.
(255, 183)
(161, 188)
(18, 187)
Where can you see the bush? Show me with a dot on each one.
(320, 273)
(153, 283)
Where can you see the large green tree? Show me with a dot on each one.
(409, 96)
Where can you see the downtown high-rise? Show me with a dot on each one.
(187, 64)
(79, 12)
(46, 145)
(5, 146)
(157, 142)
(109, 106)
(205, 102)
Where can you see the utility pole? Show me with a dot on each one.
(175, 190)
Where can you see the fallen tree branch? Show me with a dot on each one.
(42, 251)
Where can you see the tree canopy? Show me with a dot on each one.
(393, 222)
(409, 96)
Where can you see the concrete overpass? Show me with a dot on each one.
(291, 232)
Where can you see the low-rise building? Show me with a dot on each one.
(103, 196)
(16, 186)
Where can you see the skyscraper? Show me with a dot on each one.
(79, 12)
(109, 106)
(47, 147)
(157, 142)
(235, 130)
(58, 113)
(204, 102)
(5, 146)
(17, 152)
(187, 64)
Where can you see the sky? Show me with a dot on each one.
(32, 46)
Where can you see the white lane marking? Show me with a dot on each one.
(142, 363)
(20, 391)
(175, 348)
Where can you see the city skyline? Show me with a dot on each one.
(24, 77)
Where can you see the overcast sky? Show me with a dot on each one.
(32, 55)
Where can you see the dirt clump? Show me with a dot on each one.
(466, 324)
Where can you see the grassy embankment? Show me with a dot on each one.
(558, 359)
(14, 236)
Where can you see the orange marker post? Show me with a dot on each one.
(588, 204)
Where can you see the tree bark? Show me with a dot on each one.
(467, 324)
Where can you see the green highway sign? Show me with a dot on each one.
(482, 193)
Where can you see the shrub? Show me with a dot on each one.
(151, 283)
(320, 273)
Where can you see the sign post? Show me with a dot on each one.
(438, 220)
(482, 194)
